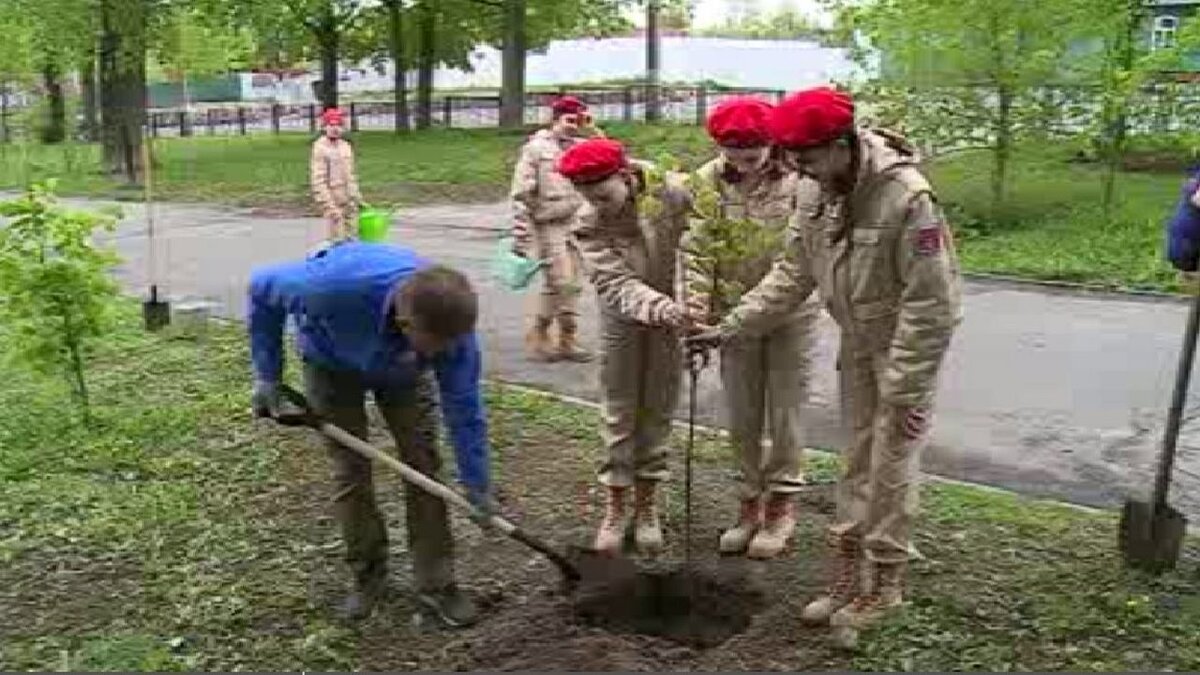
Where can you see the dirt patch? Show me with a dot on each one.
(698, 605)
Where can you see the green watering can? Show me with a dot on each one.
(514, 272)
(373, 224)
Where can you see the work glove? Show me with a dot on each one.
(266, 399)
(485, 505)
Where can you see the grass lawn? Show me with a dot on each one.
(176, 533)
(1051, 229)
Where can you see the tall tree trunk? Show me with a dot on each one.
(54, 127)
(1119, 126)
(5, 134)
(87, 86)
(426, 60)
(399, 65)
(123, 86)
(653, 49)
(512, 91)
(1002, 153)
(328, 39)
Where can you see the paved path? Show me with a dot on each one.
(1050, 393)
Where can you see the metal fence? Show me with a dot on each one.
(686, 105)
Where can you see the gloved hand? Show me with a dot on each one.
(485, 505)
(266, 399)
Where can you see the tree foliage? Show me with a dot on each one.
(57, 286)
(965, 73)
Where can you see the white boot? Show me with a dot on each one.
(737, 538)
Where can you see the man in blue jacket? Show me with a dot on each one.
(379, 318)
(1183, 230)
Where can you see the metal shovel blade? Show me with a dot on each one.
(1151, 538)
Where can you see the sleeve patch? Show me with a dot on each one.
(929, 239)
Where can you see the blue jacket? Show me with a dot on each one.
(341, 301)
(1183, 230)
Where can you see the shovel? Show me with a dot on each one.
(1152, 533)
(302, 415)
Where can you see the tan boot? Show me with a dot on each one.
(885, 593)
(538, 342)
(844, 584)
(612, 527)
(569, 348)
(647, 531)
(778, 527)
(737, 538)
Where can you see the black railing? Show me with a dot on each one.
(684, 105)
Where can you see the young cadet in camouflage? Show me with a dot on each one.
(631, 258)
(544, 208)
(333, 179)
(870, 236)
(765, 376)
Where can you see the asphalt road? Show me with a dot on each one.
(1052, 393)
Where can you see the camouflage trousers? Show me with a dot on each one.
(877, 496)
(342, 221)
(411, 416)
(561, 278)
(765, 380)
(639, 378)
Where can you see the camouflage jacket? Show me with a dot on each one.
(331, 174)
(539, 193)
(883, 258)
(632, 257)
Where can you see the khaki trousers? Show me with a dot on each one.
(878, 492)
(561, 284)
(766, 384)
(640, 373)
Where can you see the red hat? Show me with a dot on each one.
(741, 122)
(592, 161)
(333, 116)
(812, 117)
(567, 105)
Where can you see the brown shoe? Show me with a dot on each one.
(612, 527)
(844, 585)
(538, 342)
(778, 527)
(737, 538)
(885, 592)
(569, 348)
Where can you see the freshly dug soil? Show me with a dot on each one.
(698, 605)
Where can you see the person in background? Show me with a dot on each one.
(333, 178)
(373, 317)
(631, 259)
(764, 377)
(1183, 230)
(870, 235)
(544, 210)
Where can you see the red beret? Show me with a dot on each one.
(592, 161)
(741, 122)
(812, 117)
(332, 116)
(567, 105)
